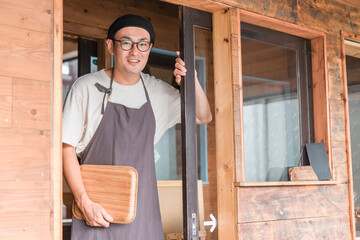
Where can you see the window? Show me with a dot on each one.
(277, 102)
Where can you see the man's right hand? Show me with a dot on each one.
(94, 214)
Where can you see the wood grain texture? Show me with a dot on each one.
(337, 122)
(326, 16)
(347, 154)
(350, 3)
(32, 20)
(114, 188)
(90, 12)
(6, 102)
(351, 36)
(25, 54)
(24, 155)
(82, 30)
(6, 86)
(335, 227)
(95, 14)
(236, 68)
(263, 204)
(39, 235)
(24, 207)
(334, 66)
(55, 90)
(34, 5)
(204, 5)
(224, 126)
(320, 95)
(339, 164)
(31, 104)
(302, 173)
(281, 26)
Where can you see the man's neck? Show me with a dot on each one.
(123, 78)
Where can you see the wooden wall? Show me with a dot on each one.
(306, 212)
(92, 18)
(28, 208)
(27, 205)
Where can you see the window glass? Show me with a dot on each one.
(271, 105)
(167, 151)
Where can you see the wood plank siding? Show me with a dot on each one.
(93, 18)
(30, 112)
(28, 208)
(307, 212)
(294, 215)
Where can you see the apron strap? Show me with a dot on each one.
(101, 88)
(105, 90)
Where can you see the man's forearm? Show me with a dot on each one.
(203, 112)
(72, 174)
(93, 213)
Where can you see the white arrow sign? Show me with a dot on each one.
(212, 223)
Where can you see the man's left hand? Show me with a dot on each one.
(180, 70)
(203, 112)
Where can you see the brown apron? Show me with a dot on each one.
(125, 137)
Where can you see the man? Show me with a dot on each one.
(111, 118)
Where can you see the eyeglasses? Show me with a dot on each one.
(127, 45)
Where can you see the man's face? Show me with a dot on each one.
(132, 61)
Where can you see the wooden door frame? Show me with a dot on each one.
(55, 122)
(189, 19)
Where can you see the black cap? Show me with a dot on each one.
(130, 20)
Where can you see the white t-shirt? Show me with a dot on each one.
(82, 108)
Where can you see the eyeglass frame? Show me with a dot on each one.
(132, 44)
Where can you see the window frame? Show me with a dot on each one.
(303, 74)
(321, 120)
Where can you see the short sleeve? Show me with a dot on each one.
(167, 108)
(73, 120)
(174, 107)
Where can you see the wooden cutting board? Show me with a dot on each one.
(113, 187)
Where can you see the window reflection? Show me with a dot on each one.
(167, 151)
(271, 110)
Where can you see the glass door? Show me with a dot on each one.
(189, 20)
